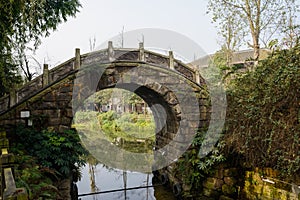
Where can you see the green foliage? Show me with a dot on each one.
(24, 22)
(192, 168)
(263, 108)
(9, 74)
(255, 22)
(61, 152)
(34, 178)
(127, 125)
(85, 116)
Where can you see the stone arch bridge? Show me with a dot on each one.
(175, 92)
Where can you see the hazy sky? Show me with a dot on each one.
(105, 19)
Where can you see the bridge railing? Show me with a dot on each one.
(36, 85)
(106, 55)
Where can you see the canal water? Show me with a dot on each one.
(99, 178)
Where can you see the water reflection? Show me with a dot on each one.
(99, 178)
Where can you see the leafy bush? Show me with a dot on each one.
(191, 168)
(34, 178)
(61, 152)
(127, 125)
(262, 123)
(85, 116)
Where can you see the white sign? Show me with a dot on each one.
(25, 114)
(29, 122)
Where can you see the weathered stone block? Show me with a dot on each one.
(69, 113)
(4, 143)
(223, 197)
(7, 159)
(54, 121)
(231, 172)
(171, 98)
(177, 109)
(66, 88)
(62, 128)
(50, 96)
(211, 193)
(63, 96)
(203, 116)
(2, 134)
(218, 174)
(228, 190)
(230, 181)
(213, 183)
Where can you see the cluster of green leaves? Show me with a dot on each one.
(9, 74)
(258, 21)
(192, 168)
(61, 152)
(263, 113)
(24, 22)
(128, 125)
(36, 179)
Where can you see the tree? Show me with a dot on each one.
(23, 23)
(9, 75)
(256, 17)
(291, 31)
(231, 37)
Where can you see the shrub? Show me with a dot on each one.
(263, 106)
(61, 152)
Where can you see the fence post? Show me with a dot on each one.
(45, 75)
(12, 97)
(111, 53)
(141, 51)
(77, 59)
(171, 60)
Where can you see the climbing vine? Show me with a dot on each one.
(262, 126)
(263, 113)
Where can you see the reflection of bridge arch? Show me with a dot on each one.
(163, 82)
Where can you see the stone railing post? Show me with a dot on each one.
(141, 51)
(77, 59)
(12, 97)
(111, 53)
(171, 60)
(45, 75)
(197, 78)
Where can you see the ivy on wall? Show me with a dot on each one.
(263, 107)
(262, 127)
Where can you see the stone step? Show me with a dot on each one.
(4, 143)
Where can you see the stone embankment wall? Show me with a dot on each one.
(231, 183)
(266, 184)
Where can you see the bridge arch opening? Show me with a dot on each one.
(169, 95)
(161, 108)
(131, 112)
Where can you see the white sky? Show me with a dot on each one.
(104, 19)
